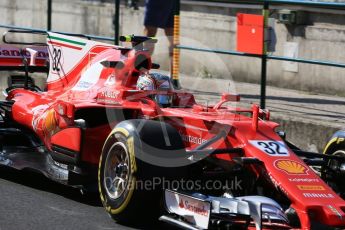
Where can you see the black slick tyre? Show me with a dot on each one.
(127, 183)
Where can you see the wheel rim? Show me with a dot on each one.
(116, 171)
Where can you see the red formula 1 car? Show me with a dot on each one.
(106, 118)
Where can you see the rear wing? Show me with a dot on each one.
(65, 57)
(68, 58)
(13, 58)
(14, 54)
(30, 57)
(59, 55)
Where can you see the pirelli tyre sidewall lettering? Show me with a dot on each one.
(119, 205)
(336, 143)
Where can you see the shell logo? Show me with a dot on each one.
(291, 167)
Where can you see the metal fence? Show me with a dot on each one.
(265, 5)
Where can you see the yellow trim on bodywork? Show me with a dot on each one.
(128, 38)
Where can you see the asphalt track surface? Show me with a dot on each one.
(31, 201)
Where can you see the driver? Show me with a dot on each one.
(156, 81)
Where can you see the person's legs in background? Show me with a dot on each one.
(150, 31)
(169, 32)
(160, 14)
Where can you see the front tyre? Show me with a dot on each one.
(130, 187)
(116, 174)
(334, 173)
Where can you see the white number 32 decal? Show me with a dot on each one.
(272, 148)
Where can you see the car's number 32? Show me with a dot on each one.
(272, 148)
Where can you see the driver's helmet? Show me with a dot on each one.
(156, 81)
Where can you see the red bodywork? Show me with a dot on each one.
(51, 115)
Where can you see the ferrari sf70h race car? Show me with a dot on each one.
(152, 150)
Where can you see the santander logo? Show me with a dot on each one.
(181, 205)
(194, 208)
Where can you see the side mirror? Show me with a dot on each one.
(226, 97)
